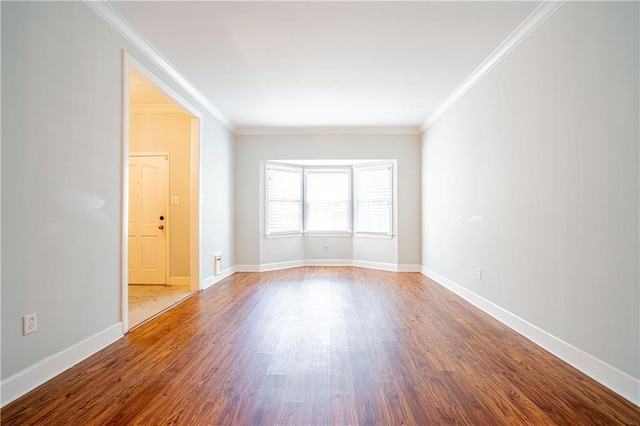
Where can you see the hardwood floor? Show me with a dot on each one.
(339, 346)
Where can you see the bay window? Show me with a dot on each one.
(314, 199)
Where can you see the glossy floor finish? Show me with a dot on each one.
(327, 346)
(146, 300)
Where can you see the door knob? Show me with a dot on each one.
(161, 227)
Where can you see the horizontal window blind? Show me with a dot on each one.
(373, 199)
(328, 200)
(322, 199)
(284, 200)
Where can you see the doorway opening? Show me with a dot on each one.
(161, 145)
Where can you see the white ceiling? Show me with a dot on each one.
(325, 64)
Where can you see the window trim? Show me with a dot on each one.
(388, 165)
(287, 168)
(352, 233)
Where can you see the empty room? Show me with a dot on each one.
(320, 212)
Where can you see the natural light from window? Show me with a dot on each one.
(327, 200)
(353, 197)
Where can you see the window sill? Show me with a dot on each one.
(328, 234)
(373, 235)
(287, 235)
(331, 235)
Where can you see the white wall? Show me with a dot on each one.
(252, 248)
(217, 216)
(338, 248)
(61, 183)
(533, 176)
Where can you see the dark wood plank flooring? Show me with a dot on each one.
(335, 346)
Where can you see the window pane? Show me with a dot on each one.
(373, 199)
(284, 200)
(284, 184)
(327, 200)
(373, 216)
(373, 184)
(284, 216)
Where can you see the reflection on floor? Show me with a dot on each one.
(147, 300)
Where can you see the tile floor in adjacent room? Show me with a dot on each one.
(146, 300)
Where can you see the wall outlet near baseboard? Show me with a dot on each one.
(29, 324)
(479, 273)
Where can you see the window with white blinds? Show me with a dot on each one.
(328, 200)
(284, 200)
(373, 199)
(321, 199)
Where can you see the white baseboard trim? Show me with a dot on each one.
(328, 262)
(213, 279)
(409, 268)
(616, 380)
(33, 376)
(247, 268)
(376, 265)
(179, 281)
(280, 265)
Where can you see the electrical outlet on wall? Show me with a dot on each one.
(29, 324)
(479, 273)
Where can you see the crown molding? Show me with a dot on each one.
(278, 131)
(103, 9)
(547, 8)
(524, 30)
(155, 109)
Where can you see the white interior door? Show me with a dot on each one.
(147, 219)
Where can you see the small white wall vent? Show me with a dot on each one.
(217, 263)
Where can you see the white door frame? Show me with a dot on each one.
(129, 62)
